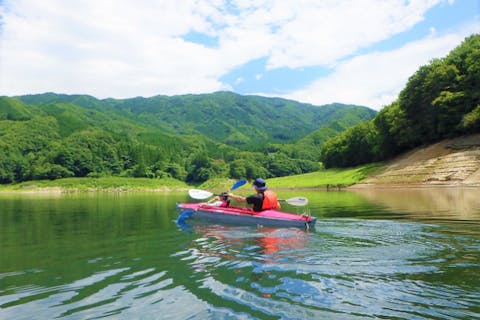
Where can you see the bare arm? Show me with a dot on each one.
(237, 198)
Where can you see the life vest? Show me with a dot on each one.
(270, 200)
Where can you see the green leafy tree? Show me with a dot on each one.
(280, 165)
(50, 171)
(439, 101)
(353, 147)
(200, 168)
(176, 171)
(471, 121)
(238, 169)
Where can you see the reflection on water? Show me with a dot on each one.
(349, 267)
(454, 203)
(272, 242)
(123, 257)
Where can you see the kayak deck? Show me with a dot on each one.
(242, 215)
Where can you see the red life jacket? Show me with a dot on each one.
(270, 200)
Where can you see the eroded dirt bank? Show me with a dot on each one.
(453, 162)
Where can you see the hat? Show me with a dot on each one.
(260, 184)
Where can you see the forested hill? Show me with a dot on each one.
(441, 100)
(189, 137)
(223, 116)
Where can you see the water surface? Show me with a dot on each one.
(391, 254)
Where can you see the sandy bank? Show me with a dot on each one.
(449, 163)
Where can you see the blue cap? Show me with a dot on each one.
(260, 184)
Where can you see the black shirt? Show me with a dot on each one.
(256, 200)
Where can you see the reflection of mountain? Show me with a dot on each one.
(457, 203)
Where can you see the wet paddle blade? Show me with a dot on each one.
(297, 201)
(185, 215)
(238, 184)
(199, 194)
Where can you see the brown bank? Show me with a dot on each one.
(450, 163)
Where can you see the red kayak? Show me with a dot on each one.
(244, 216)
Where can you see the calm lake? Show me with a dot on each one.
(374, 254)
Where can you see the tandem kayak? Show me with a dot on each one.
(244, 216)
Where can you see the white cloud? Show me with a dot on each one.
(107, 48)
(376, 79)
(121, 48)
(322, 32)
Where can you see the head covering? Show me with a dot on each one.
(260, 184)
(224, 196)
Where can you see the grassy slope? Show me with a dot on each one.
(97, 184)
(324, 178)
(319, 179)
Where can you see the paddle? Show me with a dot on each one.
(203, 194)
(185, 215)
(200, 195)
(296, 201)
(238, 184)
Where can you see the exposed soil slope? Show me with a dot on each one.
(453, 162)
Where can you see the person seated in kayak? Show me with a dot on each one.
(264, 199)
(222, 200)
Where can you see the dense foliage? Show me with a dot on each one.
(441, 100)
(190, 138)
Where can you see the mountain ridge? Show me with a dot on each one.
(234, 113)
(192, 138)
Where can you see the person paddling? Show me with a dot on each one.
(264, 199)
(222, 200)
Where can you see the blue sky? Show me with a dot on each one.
(360, 51)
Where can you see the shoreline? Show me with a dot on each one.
(60, 190)
(411, 185)
(166, 189)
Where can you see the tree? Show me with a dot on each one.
(176, 171)
(51, 172)
(471, 121)
(353, 147)
(238, 169)
(280, 165)
(200, 168)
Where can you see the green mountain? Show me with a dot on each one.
(188, 137)
(223, 116)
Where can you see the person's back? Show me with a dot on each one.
(270, 200)
(264, 199)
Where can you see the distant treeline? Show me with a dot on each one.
(441, 100)
(192, 138)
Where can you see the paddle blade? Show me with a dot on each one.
(297, 201)
(238, 184)
(185, 215)
(199, 194)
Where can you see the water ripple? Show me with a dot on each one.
(364, 269)
(346, 268)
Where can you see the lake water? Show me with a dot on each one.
(383, 254)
